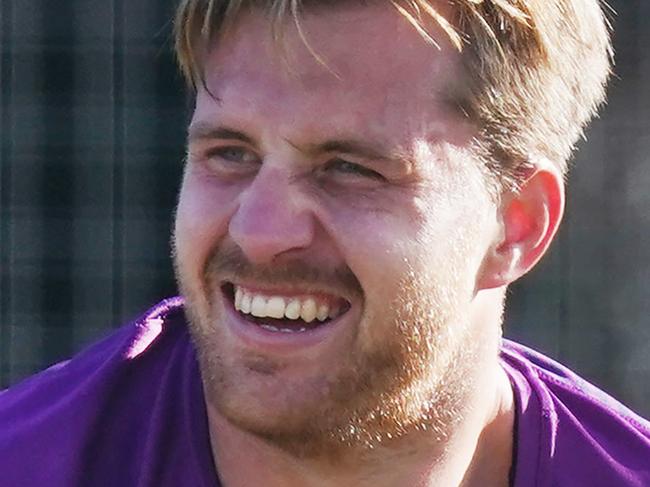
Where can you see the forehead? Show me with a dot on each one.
(352, 64)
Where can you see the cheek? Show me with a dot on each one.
(406, 245)
(378, 245)
(202, 217)
(380, 235)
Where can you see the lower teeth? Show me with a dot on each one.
(275, 329)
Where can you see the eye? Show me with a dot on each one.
(233, 154)
(341, 166)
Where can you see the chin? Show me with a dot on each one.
(373, 400)
(405, 367)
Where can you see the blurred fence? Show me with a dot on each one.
(92, 125)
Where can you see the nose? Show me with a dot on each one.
(271, 218)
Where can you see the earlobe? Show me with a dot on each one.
(529, 219)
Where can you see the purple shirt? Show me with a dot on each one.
(129, 411)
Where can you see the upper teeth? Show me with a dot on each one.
(307, 308)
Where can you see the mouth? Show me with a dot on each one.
(282, 312)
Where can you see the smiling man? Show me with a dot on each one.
(363, 181)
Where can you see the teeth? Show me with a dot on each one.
(334, 312)
(308, 311)
(238, 295)
(258, 306)
(323, 312)
(269, 328)
(261, 306)
(275, 329)
(293, 310)
(245, 304)
(275, 307)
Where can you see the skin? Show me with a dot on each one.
(403, 228)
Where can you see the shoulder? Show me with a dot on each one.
(91, 368)
(57, 415)
(591, 437)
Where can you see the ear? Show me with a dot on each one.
(528, 219)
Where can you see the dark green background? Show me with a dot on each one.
(92, 127)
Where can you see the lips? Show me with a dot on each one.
(283, 312)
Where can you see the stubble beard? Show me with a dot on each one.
(414, 382)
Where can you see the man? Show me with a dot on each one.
(363, 181)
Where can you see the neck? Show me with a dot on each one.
(476, 453)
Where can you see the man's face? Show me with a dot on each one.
(341, 189)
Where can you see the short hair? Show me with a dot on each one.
(535, 70)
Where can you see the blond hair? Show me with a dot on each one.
(536, 69)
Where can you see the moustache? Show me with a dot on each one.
(230, 263)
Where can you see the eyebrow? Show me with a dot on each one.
(346, 146)
(205, 131)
